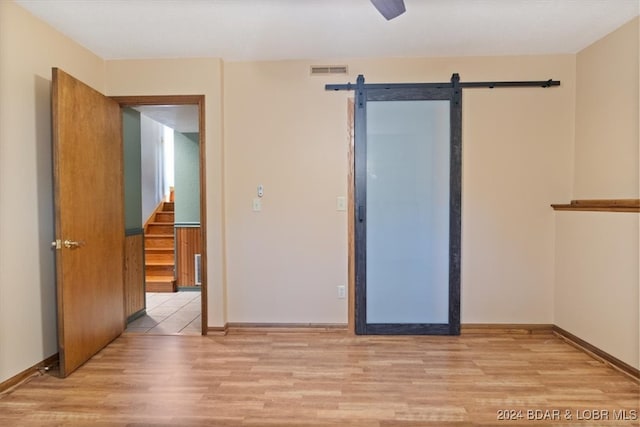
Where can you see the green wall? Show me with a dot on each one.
(187, 177)
(132, 160)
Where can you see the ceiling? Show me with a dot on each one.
(183, 118)
(243, 30)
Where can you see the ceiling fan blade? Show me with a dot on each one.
(390, 8)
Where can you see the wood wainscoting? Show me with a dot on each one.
(134, 274)
(188, 244)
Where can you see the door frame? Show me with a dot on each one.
(356, 256)
(351, 206)
(199, 100)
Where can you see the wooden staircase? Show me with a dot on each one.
(159, 251)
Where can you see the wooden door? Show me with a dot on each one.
(89, 217)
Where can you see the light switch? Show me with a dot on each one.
(341, 203)
(257, 205)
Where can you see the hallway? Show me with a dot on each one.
(169, 314)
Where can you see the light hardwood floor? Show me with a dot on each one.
(327, 378)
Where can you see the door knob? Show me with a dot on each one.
(70, 244)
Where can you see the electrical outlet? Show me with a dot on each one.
(342, 292)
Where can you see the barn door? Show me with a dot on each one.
(407, 200)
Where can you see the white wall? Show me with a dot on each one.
(187, 177)
(283, 130)
(607, 156)
(597, 280)
(28, 50)
(596, 275)
(152, 165)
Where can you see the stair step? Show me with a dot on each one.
(158, 251)
(165, 217)
(161, 287)
(164, 253)
(159, 241)
(156, 278)
(158, 262)
(160, 228)
(159, 269)
(169, 276)
(159, 257)
(160, 279)
(158, 244)
(160, 284)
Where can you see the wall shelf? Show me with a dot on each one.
(600, 205)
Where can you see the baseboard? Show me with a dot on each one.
(22, 376)
(468, 328)
(505, 328)
(189, 288)
(597, 353)
(218, 330)
(286, 327)
(136, 315)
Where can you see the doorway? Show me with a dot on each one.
(187, 225)
(407, 199)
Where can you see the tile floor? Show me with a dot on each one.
(175, 313)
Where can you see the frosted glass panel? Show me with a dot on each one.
(407, 223)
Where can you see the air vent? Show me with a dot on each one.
(320, 70)
(198, 268)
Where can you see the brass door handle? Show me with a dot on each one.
(70, 244)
